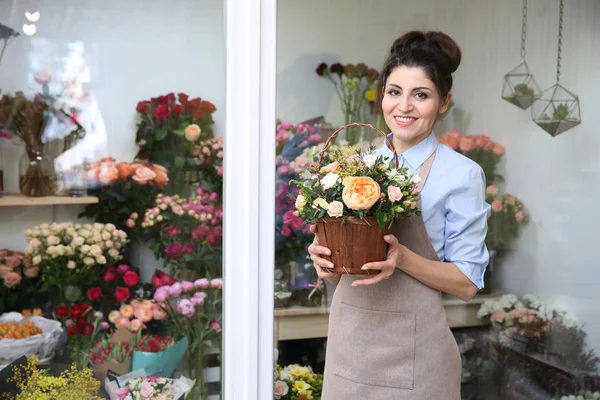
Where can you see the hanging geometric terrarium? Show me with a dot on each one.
(556, 110)
(520, 88)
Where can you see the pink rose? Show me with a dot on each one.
(135, 325)
(215, 326)
(12, 261)
(147, 390)
(498, 149)
(330, 167)
(198, 298)
(122, 392)
(192, 132)
(161, 294)
(187, 286)
(466, 143)
(519, 216)
(175, 289)
(186, 307)
(496, 206)
(394, 193)
(456, 134)
(43, 77)
(202, 283)
(31, 272)
(143, 175)
(481, 141)
(12, 279)
(492, 190)
(488, 146)
(130, 223)
(4, 269)
(123, 268)
(216, 283)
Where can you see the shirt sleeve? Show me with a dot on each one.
(466, 226)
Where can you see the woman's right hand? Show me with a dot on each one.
(315, 251)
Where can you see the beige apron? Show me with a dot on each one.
(391, 341)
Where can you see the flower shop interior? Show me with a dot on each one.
(113, 208)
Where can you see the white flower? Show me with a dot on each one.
(77, 241)
(89, 261)
(36, 260)
(395, 176)
(35, 242)
(109, 227)
(101, 260)
(280, 389)
(85, 249)
(113, 253)
(108, 244)
(330, 180)
(335, 209)
(71, 264)
(96, 251)
(29, 250)
(300, 202)
(369, 160)
(106, 235)
(416, 179)
(320, 202)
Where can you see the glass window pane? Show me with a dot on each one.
(524, 326)
(111, 166)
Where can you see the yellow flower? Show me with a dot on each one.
(370, 95)
(301, 372)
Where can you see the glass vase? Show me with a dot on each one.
(36, 172)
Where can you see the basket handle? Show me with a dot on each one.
(341, 128)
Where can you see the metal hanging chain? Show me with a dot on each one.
(524, 29)
(560, 29)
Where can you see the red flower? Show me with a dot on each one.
(208, 107)
(86, 330)
(94, 293)
(198, 113)
(172, 230)
(171, 98)
(156, 282)
(82, 321)
(131, 278)
(72, 331)
(123, 268)
(110, 276)
(321, 69)
(121, 294)
(163, 100)
(162, 112)
(79, 309)
(62, 311)
(143, 107)
(154, 101)
(177, 109)
(183, 98)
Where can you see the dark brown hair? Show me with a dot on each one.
(435, 52)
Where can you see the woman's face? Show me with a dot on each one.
(411, 104)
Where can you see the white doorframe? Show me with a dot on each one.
(249, 200)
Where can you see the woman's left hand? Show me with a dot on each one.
(386, 267)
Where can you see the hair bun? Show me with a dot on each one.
(431, 39)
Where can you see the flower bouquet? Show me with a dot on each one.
(20, 282)
(155, 354)
(139, 385)
(112, 352)
(506, 218)
(210, 168)
(354, 202)
(125, 190)
(72, 257)
(295, 382)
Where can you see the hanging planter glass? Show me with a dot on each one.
(519, 86)
(556, 109)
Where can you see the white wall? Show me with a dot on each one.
(134, 49)
(557, 178)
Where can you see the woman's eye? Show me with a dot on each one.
(393, 92)
(421, 95)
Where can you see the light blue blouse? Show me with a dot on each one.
(452, 204)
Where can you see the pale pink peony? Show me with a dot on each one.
(492, 190)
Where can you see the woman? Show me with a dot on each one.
(388, 336)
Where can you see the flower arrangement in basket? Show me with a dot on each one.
(354, 201)
(296, 382)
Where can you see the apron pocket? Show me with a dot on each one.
(374, 348)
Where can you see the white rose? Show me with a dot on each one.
(280, 389)
(35, 243)
(101, 260)
(109, 244)
(300, 202)
(29, 250)
(89, 261)
(335, 209)
(71, 264)
(78, 241)
(85, 249)
(109, 227)
(329, 180)
(95, 251)
(96, 238)
(416, 179)
(369, 160)
(113, 253)
(51, 250)
(36, 260)
(106, 235)
(320, 202)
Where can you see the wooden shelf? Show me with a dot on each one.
(18, 200)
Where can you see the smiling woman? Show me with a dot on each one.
(388, 335)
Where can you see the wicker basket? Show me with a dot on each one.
(357, 241)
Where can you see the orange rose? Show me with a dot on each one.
(162, 175)
(143, 175)
(108, 174)
(124, 170)
(134, 166)
(360, 192)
